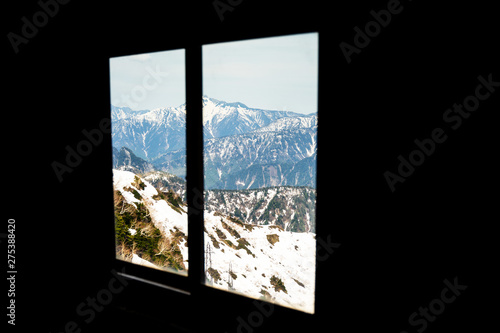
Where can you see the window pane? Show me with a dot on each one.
(148, 117)
(260, 132)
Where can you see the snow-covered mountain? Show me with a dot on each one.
(291, 123)
(149, 133)
(158, 135)
(261, 159)
(258, 261)
(221, 118)
(123, 112)
(290, 208)
(244, 147)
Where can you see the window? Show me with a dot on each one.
(260, 132)
(148, 115)
(255, 235)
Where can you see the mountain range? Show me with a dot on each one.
(258, 261)
(291, 208)
(259, 197)
(244, 147)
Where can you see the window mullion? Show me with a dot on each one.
(194, 161)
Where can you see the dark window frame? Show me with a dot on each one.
(193, 286)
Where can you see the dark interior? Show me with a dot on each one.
(396, 247)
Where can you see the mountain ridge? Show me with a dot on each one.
(243, 147)
(258, 261)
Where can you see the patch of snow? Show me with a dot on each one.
(139, 261)
(292, 258)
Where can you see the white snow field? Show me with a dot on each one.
(292, 258)
(257, 254)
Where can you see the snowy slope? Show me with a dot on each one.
(259, 255)
(164, 217)
(139, 261)
(291, 259)
(165, 181)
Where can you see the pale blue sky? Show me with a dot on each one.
(276, 73)
(148, 80)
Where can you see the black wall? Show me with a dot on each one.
(396, 248)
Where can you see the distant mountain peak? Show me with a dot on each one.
(212, 107)
(221, 118)
(223, 103)
(158, 137)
